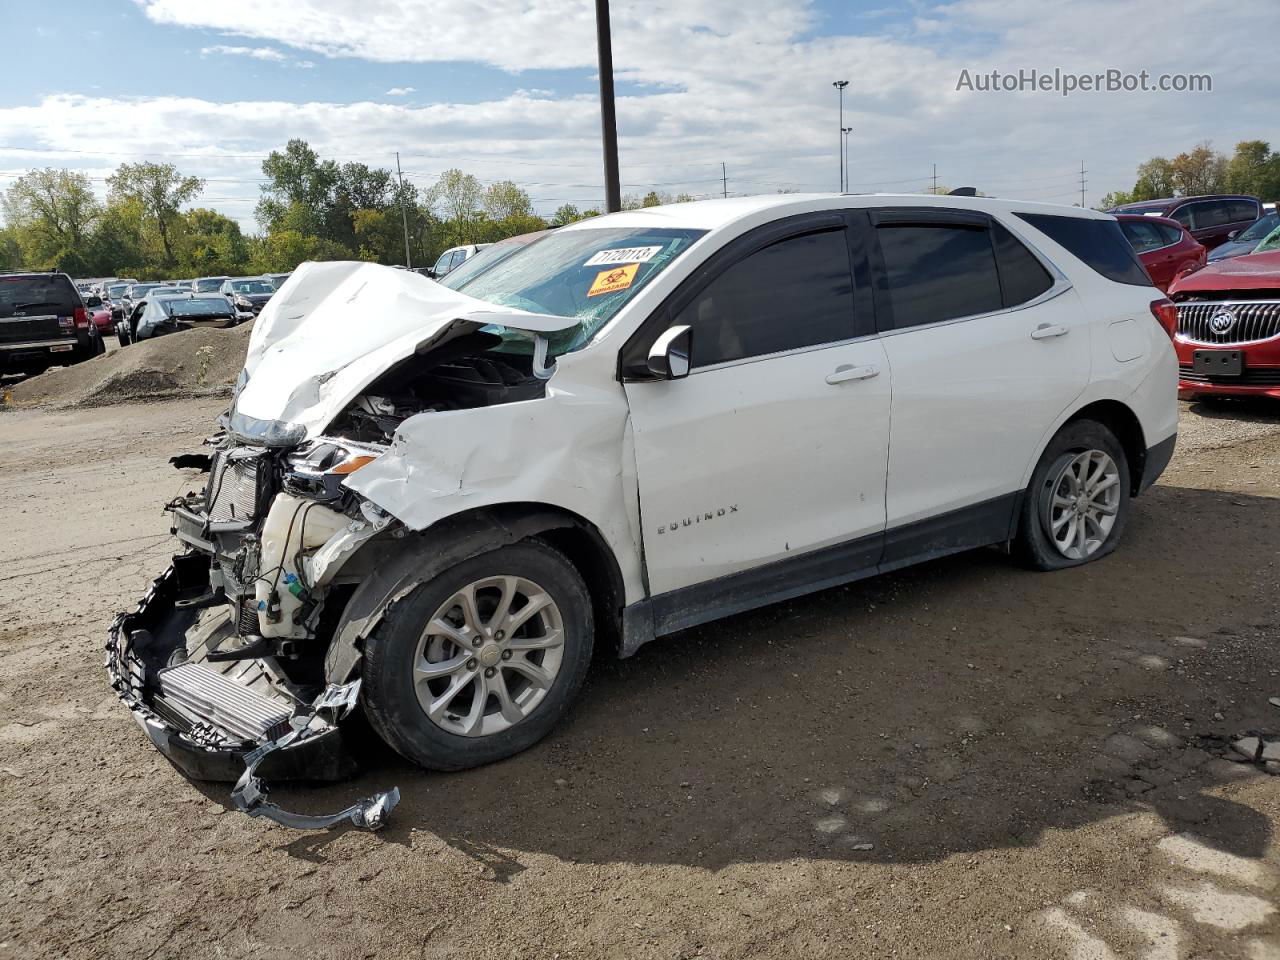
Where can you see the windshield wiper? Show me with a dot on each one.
(35, 303)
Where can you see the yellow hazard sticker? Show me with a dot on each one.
(613, 280)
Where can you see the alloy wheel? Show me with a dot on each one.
(1083, 503)
(488, 656)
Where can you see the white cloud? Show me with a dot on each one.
(255, 53)
(399, 92)
(714, 84)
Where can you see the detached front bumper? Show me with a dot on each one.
(313, 747)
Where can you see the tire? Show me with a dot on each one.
(1057, 473)
(122, 334)
(396, 697)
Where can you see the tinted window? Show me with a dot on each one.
(208, 285)
(795, 293)
(1022, 276)
(1242, 210)
(1099, 243)
(1143, 236)
(938, 272)
(1184, 216)
(1211, 213)
(42, 294)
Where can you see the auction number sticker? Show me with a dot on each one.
(611, 281)
(623, 255)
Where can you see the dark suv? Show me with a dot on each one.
(1211, 219)
(43, 322)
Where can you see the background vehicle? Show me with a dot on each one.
(248, 294)
(1165, 247)
(606, 452)
(492, 254)
(100, 312)
(277, 279)
(1248, 238)
(1211, 219)
(1228, 339)
(453, 258)
(174, 313)
(208, 284)
(127, 329)
(44, 323)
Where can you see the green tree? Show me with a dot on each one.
(504, 200)
(298, 181)
(118, 239)
(457, 196)
(1199, 170)
(50, 213)
(162, 191)
(565, 214)
(212, 243)
(10, 251)
(1155, 180)
(1254, 169)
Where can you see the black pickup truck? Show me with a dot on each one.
(43, 323)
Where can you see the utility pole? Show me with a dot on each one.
(840, 85)
(1082, 183)
(404, 214)
(608, 121)
(934, 191)
(724, 178)
(846, 131)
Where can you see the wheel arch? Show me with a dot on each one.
(398, 564)
(1120, 419)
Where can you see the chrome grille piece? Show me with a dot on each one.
(206, 696)
(1229, 321)
(233, 488)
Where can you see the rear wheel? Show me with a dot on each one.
(481, 662)
(1078, 500)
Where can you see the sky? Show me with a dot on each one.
(507, 89)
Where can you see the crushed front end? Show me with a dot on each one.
(222, 662)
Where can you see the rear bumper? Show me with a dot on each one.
(1156, 461)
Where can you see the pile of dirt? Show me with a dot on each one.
(199, 362)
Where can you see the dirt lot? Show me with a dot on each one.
(960, 760)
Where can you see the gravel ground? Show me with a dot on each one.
(959, 760)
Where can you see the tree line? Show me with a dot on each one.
(150, 225)
(1252, 169)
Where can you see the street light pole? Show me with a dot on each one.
(846, 131)
(608, 121)
(840, 85)
(404, 215)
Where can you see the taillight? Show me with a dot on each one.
(82, 317)
(1166, 314)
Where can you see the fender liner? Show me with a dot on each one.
(416, 558)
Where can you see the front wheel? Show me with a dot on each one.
(481, 662)
(1077, 503)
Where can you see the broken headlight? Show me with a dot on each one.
(266, 433)
(318, 470)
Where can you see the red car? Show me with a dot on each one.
(1211, 219)
(1228, 329)
(100, 313)
(1164, 246)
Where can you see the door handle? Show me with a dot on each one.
(1047, 331)
(847, 371)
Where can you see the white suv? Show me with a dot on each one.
(440, 503)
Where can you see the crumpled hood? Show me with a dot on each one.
(333, 327)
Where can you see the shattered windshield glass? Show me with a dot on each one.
(587, 274)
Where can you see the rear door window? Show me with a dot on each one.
(1210, 213)
(1241, 210)
(1170, 234)
(1022, 276)
(1098, 243)
(1143, 235)
(40, 295)
(938, 272)
(795, 293)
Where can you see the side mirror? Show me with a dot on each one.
(1232, 234)
(669, 355)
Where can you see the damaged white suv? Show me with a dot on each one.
(437, 504)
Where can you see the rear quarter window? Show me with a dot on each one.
(1099, 243)
(36, 295)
